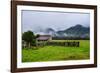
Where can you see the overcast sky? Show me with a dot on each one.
(39, 20)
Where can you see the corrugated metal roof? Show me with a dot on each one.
(43, 37)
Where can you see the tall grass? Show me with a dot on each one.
(56, 53)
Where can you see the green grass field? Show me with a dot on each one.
(57, 53)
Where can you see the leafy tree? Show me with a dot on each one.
(38, 35)
(28, 37)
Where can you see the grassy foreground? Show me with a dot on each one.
(57, 53)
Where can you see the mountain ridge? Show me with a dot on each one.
(74, 31)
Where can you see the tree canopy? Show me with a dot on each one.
(28, 37)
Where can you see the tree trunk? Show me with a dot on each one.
(29, 45)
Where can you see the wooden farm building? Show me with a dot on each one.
(43, 39)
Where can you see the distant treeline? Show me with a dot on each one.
(67, 44)
(70, 38)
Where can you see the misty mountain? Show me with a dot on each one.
(74, 31)
(77, 30)
(50, 31)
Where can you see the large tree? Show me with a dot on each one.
(28, 37)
